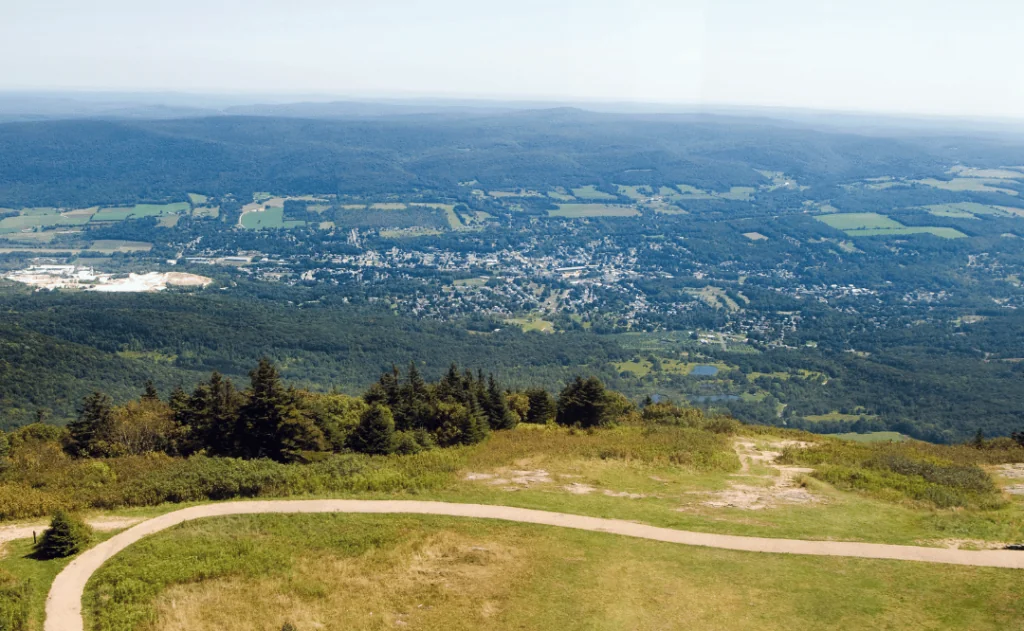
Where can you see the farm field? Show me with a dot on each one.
(269, 217)
(980, 185)
(945, 233)
(873, 437)
(378, 572)
(964, 210)
(874, 224)
(593, 210)
(591, 192)
(533, 323)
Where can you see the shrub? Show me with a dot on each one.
(67, 535)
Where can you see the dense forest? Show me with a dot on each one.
(79, 163)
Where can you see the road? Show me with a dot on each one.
(64, 603)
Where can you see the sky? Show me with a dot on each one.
(938, 57)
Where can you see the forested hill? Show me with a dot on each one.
(78, 163)
(55, 348)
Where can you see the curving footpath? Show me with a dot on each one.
(64, 603)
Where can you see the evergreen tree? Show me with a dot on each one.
(542, 406)
(375, 433)
(88, 435)
(66, 535)
(270, 423)
(583, 403)
(150, 393)
(499, 416)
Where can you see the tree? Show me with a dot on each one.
(459, 424)
(270, 425)
(542, 406)
(66, 535)
(88, 435)
(499, 416)
(375, 433)
(583, 403)
(142, 426)
(150, 392)
(1019, 437)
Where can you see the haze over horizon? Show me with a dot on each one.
(913, 57)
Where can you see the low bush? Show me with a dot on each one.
(936, 475)
(66, 536)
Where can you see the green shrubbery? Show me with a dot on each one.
(66, 536)
(937, 475)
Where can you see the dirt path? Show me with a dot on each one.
(767, 491)
(64, 603)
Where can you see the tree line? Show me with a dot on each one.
(400, 413)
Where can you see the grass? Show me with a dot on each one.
(980, 185)
(591, 192)
(945, 233)
(859, 221)
(21, 222)
(562, 197)
(382, 572)
(111, 245)
(593, 210)
(197, 199)
(873, 437)
(755, 236)
(873, 224)
(964, 209)
(269, 217)
(735, 193)
(206, 211)
(388, 206)
(533, 323)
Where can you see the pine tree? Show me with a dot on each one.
(270, 423)
(88, 435)
(375, 433)
(66, 535)
(542, 406)
(583, 403)
(498, 414)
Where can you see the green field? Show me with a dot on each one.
(859, 221)
(197, 199)
(981, 185)
(637, 193)
(591, 192)
(206, 211)
(593, 210)
(270, 217)
(111, 246)
(533, 323)
(40, 219)
(562, 197)
(873, 437)
(113, 214)
(964, 210)
(873, 224)
(945, 233)
(427, 572)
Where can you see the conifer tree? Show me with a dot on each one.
(583, 403)
(270, 424)
(499, 416)
(88, 434)
(66, 535)
(375, 433)
(542, 406)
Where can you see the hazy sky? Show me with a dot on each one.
(926, 56)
